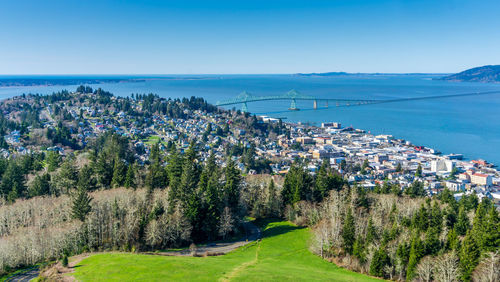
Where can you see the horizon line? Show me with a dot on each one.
(188, 74)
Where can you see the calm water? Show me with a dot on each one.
(468, 125)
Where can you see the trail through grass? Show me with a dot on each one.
(281, 255)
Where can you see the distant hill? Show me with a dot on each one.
(340, 73)
(480, 74)
(323, 74)
(7, 82)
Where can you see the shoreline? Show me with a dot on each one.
(437, 152)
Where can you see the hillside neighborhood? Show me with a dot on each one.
(363, 158)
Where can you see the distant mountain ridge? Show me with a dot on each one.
(490, 73)
(341, 73)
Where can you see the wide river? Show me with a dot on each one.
(469, 125)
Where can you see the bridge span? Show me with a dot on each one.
(293, 96)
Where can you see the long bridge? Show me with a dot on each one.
(294, 96)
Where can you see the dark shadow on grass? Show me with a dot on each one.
(274, 230)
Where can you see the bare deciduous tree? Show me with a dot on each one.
(446, 268)
(226, 223)
(425, 269)
(488, 269)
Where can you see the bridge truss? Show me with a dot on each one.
(293, 96)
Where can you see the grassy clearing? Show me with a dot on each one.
(281, 255)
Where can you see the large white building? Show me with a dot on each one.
(442, 165)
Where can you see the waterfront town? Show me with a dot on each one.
(365, 159)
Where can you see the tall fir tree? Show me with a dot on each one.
(417, 251)
(462, 224)
(86, 178)
(190, 174)
(297, 185)
(469, 256)
(371, 232)
(81, 204)
(130, 177)
(379, 261)
(232, 185)
(348, 232)
(322, 183)
(174, 172)
(12, 185)
(491, 234)
(119, 172)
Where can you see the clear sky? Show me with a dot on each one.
(271, 36)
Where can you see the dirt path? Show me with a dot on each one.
(242, 266)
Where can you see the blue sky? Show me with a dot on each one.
(191, 37)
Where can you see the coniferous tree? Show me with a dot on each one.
(212, 196)
(40, 185)
(418, 172)
(130, 177)
(12, 185)
(297, 185)
(469, 256)
(86, 179)
(379, 261)
(386, 188)
(450, 215)
(67, 178)
(399, 168)
(190, 174)
(349, 232)
(452, 242)
(103, 168)
(479, 223)
(432, 243)
(491, 234)
(81, 204)
(403, 252)
(371, 232)
(416, 253)
(436, 217)
(364, 166)
(322, 184)
(396, 189)
(232, 185)
(416, 189)
(462, 224)
(272, 205)
(64, 261)
(421, 219)
(119, 173)
(53, 160)
(358, 249)
(156, 176)
(174, 172)
(226, 129)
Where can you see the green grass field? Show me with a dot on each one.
(281, 255)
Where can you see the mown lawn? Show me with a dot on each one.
(281, 255)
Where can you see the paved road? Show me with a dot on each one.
(25, 276)
(252, 233)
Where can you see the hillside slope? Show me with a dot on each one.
(480, 74)
(281, 255)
